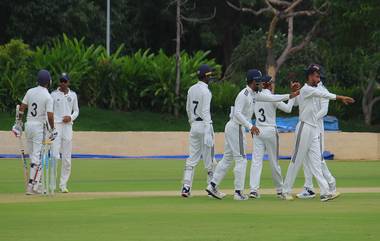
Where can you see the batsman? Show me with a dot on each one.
(39, 106)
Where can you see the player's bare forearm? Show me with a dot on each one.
(21, 112)
(51, 119)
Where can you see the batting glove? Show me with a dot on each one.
(53, 133)
(17, 128)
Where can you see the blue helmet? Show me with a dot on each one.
(204, 70)
(43, 77)
(256, 75)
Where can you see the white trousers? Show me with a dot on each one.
(34, 132)
(325, 170)
(307, 149)
(266, 142)
(63, 144)
(234, 149)
(197, 151)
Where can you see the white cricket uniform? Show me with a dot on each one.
(324, 107)
(235, 140)
(267, 141)
(198, 112)
(39, 102)
(307, 144)
(64, 105)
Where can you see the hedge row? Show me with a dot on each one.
(143, 80)
(140, 81)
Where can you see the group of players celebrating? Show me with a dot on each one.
(258, 98)
(49, 119)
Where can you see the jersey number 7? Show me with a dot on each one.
(196, 106)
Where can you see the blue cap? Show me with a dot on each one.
(204, 70)
(254, 74)
(64, 76)
(266, 79)
(43, 77)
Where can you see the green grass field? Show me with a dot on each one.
(69, 217)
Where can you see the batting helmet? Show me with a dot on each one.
(43, 77)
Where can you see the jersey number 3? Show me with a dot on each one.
(33, 112)
(262, 118)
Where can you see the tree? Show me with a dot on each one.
(180, 8)
(368, 67)
(284, 10)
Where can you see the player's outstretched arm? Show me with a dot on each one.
(286, 107)
(345, 99)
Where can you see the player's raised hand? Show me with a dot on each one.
(294, 94)
(295, 85)
(254, 131)
(345, 99)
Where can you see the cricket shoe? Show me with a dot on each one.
(214, 192)
(64, 190)
(239, 196)
(306, 194)
(325, 198)
(30, 191)
(334, 195)
(288, 197)
(185, 191)
(254, 195)
(280, 195)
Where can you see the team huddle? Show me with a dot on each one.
(257, 98)
(49, 120)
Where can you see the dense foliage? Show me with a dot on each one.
(143, 80)
(346, 44)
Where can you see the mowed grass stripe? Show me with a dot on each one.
(108, 175)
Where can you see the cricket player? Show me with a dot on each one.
(235, 141)
(308, 143)
(65, 112)
(201, 138)
(39, 104)
(267, 141)
(308, 191)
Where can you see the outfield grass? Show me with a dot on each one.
(94, 119)
(152, 175)
(351, 217)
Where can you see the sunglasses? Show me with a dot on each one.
(63, 81)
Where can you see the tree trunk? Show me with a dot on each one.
(178, 59)
(271, 67)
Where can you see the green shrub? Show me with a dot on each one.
(68, 55)
(15, 75)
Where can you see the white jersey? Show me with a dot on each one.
(39, 102)
(65, 105)
(323, 106)
(244, 107)
(309, 103)
(265, 112)
(198, 103)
